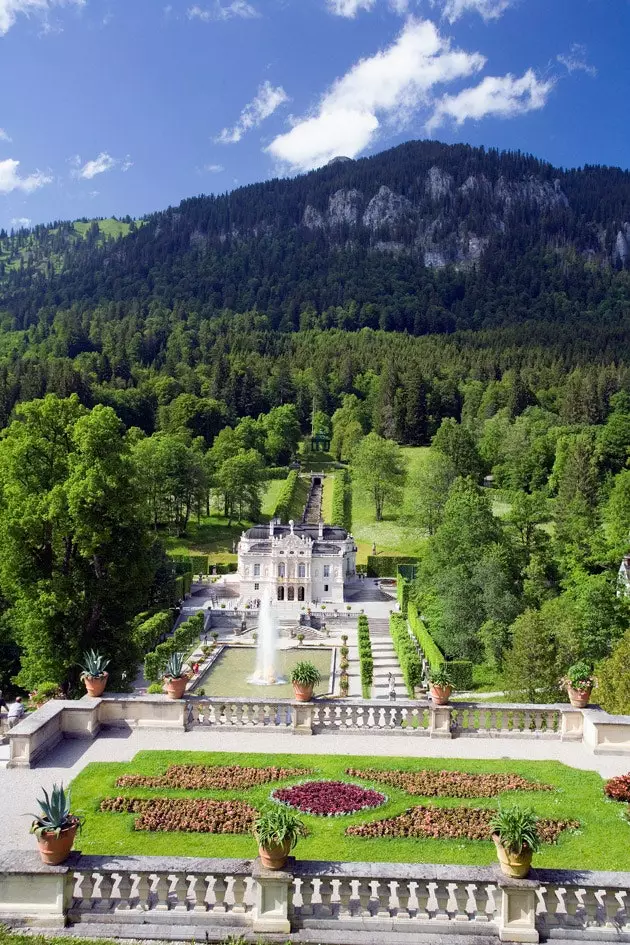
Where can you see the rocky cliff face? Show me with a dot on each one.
(439, 225)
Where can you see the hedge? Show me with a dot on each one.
(276, 472)
(285, 499)
(196, 564)
(406, 652)
(181, 641)
(366, 659)
(386, 565)
(461, 670)
(342, 501)
(403, 590)
(151, 631)
(183, 584)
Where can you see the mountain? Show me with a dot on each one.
(425, 237)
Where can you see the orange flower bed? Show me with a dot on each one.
(449, 783)
(208, 777)
(192, 815)
(450, 823)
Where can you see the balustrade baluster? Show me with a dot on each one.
(490, 906)
(239, 888)
(383, 893)
(162, 888)
(471, 908)
(259, 713)
(245, 714)
(324, 908)
(345, 893)
(180, 893)
(371, 720)
(105, 893)
(364, 892)
(614, 908)
(125, 885)
(143, 893)
(458, 902)
(219, 889)
(306, 891)
(403, 895)
(78, 895)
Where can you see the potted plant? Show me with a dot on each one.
(344, 684)
(304, 677)
(440, 684)
(94, 673)
(344, 638)
(300, 638)
(579, 683)
(55, 827)
(277, 831)
(175, 678)
(515, 835)
(215, 636)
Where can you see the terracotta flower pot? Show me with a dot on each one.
(175, 688)
(579, 698)
(95, 685)
(55, 849)
(516, 865)
(441, 694)
(303, 693)
(275, 857)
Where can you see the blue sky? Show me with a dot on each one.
(126, 106)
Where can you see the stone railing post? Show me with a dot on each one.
(272, 897)
(517, 916)
(571, 725)
(31, 893)
(440, 721)
(302, 718)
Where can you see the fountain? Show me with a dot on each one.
(266, 673)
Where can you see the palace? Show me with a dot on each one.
(296, 562)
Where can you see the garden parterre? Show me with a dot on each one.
(600, 842)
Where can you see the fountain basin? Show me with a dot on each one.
(230, 673)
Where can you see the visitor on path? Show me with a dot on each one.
(16, 711)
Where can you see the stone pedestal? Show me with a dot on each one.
(572, 726)
(517, 920)
(302, 718)
(31, 893)
(440, 721)
(272, 897)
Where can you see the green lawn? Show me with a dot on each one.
(392, 535)
(601, 843)
(329, 485)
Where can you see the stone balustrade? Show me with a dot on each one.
(326, 899)
(40, 731)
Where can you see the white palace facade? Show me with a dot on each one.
(295, 563)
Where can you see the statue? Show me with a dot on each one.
(391, 683)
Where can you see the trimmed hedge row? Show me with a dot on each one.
(461, 671)
(186, 634)
(183, 584)
(196, 564)
(276, 472)
(407, 654)
(285, 499)
(386, 565)
(151, 631)
(403, 590)
(342, 501)
(366, 659)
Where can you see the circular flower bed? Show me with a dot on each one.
(328, 798)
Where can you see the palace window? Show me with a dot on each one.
(281, 570)
(325, 587)
(256, 570)
(280, 593)
(291, 594)
(301, 570)
(256, 587)
(326, 570)
(300, 593)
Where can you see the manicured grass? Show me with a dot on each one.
(20, 938)
(329, 484)
(601, 843)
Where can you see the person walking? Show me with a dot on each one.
(16, 712)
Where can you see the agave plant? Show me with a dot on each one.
(517, 828)
(55, 813)
(94, 664)
(175, 666)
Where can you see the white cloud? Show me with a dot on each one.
(104, 162)
(387, 87)
(488, 9)
(267, 100)
(126, 164)
(11, 9)
(575, 60)
(4, 136)
(10, 179)
(500, 96)
(349, 8)
(237, 8)
(20, 223)
(213, 168)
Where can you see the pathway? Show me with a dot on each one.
(313, 508)
(19, 787)
(385, 661)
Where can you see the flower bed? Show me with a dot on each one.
(193, 815)
(450, 823)
(328, 798)
(205, 777)
(449, 783)
(618, 788)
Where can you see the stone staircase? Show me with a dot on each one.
(385, 661)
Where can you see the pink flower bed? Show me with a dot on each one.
(328, 798)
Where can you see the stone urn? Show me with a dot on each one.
(95, 685)
(175, 686)
(515, 865)
(579, 698)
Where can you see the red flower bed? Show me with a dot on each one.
(449, 783)
(192, 815)
(207, 777)
(618, 788)
(450, 823)
(328, 798)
